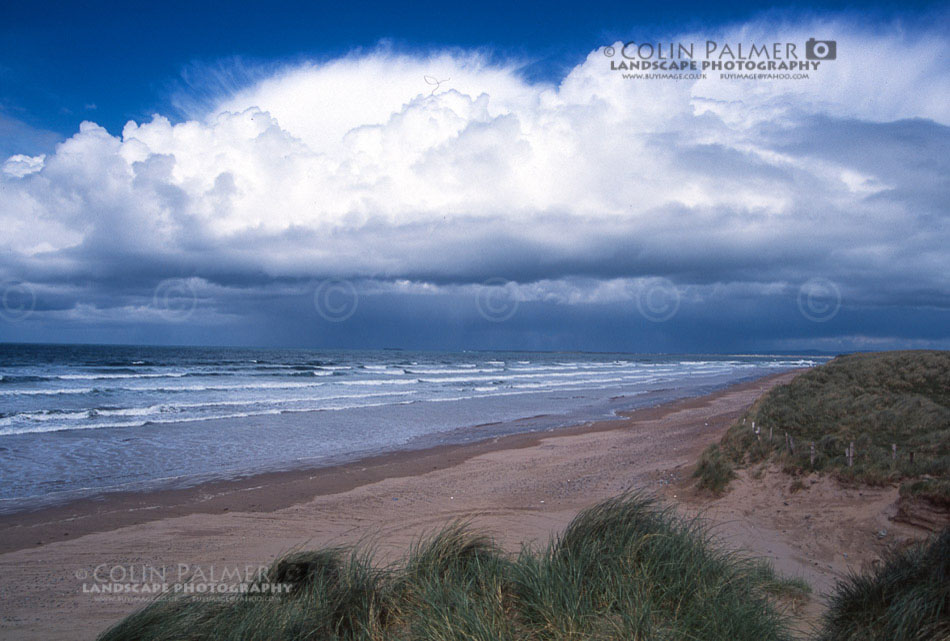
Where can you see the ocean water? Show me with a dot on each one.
(81, 421)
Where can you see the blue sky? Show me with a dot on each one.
(372, 176)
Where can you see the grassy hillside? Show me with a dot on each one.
(626, 569)
(876, 401)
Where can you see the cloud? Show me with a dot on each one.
(20, 165)
(428, 173)
(884, 71)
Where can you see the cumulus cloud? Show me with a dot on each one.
(442, 170)
(19, 165)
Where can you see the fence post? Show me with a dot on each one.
(811, 456)
(894, 452)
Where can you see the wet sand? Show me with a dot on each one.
(521, 488)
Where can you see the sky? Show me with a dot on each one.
(476, 176)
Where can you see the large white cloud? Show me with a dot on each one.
(452, 167)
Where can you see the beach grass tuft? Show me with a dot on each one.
(906, 598)
(714, 470)
(627, 568)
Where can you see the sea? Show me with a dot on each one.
(81, 421)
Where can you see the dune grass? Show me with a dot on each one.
(714, 470)
(907, 598)
(626, 569)
(876, 401)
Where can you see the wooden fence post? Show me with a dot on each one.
(894, 452)
(811, 456)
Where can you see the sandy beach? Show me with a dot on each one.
(521, 488)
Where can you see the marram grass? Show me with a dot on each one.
(714, 470)
(906, 598)
(626, 569)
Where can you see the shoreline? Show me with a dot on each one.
(274, 490)
(538, 423)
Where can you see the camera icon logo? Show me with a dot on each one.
(821, 49)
